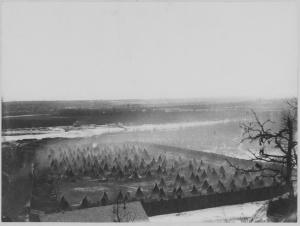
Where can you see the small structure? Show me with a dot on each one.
(84, 203)
(194, 190)
(177, 179)
(233, 186)
(204, 175)
(179, 193)
(155, 189)
(63, 204)
(162, 193)
(139, 193)
(220, 187)
(214, 174)
(148, 174)
(172, 169)
(191, 167)
(120, 174)
(182, 180)
(205, 185)
(120, 197)
(244, 182)
(104, 199)
(210, 190)
(197, 179)
(192, 177)
(162, 182)
(142, 164)
(199, 169)
(159, 170)
(222, 170)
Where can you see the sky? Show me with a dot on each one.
(148, 50)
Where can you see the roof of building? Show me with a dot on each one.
(134, 212)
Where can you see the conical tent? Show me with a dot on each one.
(204, 175)
(222, 170)
(179, 191)
(261, 182)
(84, 203)
(182, 180)
(192, 177)
(164, 172)
(142, 164)
(244, 182)
(205, 185)
(232, 185)
(214, 173)
(153, 161)
(194, 190)
(113, 169)
(106, 168)
(174, 191)
(159, 159)
(210, 190)
(164, 163)
(221, 188)
(177, 179)
(159, 170)
(104, 198)
(120, 174)
(155, 189)
(120, 196)
(64, 204)
(199, 169)
(208, 169)
(139, 193)
(126, 169)
(162, 193)
(172, 168)
(126, 197)
(197, 179)
(162, 182)
(250, 185)
(148, 173)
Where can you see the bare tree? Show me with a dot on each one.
(276, 152)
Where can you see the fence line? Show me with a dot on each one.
(153, 208)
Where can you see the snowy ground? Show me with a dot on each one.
(92, 130)
(232, 213)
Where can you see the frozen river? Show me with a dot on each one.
(93, 130)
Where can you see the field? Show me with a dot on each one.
(99, 172)
(138, 150)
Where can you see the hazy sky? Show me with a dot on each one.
(127, 50)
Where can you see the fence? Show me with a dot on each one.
(153, 208)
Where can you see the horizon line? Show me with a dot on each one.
(156, 99)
